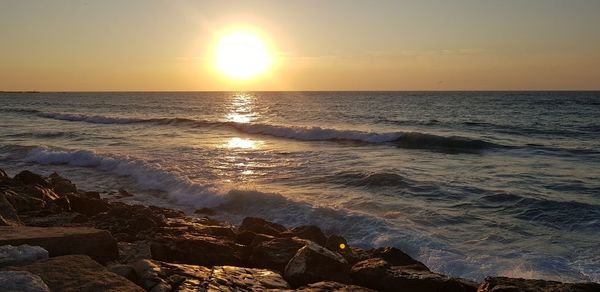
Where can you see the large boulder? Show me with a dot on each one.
(78, 273)
(155, 275)
(198, 250)
(27, 177)
(308, 232)
(61, 185)
(98, 244)
(259, 225)
(21, 255)
(8, 212)
(328, 286)
(87, 205)
(274, 254)
(314, 263)
(21, 281)
(378, 274)
(396, 257)
(504, 284)
(21, 201)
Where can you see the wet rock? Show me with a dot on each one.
(167, 213)
(21, 255)
(308, 232)
(22, 202)
(27, 177)
(259, 225)
(8, 213)
(122, 193)
(198, 250)
(327, 286)
(377, 274)
(229, 278)
(87, 206)
(61, 185)
(78, 273)
(22, 281)
(98, 244)
(504, 284)
(314, 263)
(396, 257)
(205, 211)
(274, 254)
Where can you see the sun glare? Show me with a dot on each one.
(242, 55)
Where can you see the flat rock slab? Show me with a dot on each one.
(98, 244)
(244, 279)
(502, 284)
(77, 273)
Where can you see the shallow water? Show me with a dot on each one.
(472, 184)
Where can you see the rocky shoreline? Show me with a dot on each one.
(56, 237)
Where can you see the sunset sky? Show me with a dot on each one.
(312, 45)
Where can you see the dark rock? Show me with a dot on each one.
(22, 202)
(78, 273)
(337, 243)
(93, 195)
(259, 225)
(244, 279)
(21, 255)
(314, 263)
(377, 274)
(504, 284)
(198, 250)
(206, 211)
(3, 175)
(63, 203)
(134, 251)
(61, 185)
(327, 286)
(308, 232)
(245, 237)
(46, 194)
(80, 218)
(274, 254)
(166, 212)
(396, 257)
(98, 244)
(123, 193)
(21, 281)
(27, 177)
(8, 213)
(87, 206)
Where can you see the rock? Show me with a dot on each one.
(78, 273)
(337, 243)
(3, 175)
(377, 274)
(314, 263)
(22, 202)
(327, 286)
(134, 251)
(61, 185)
(123, 193)
(259, 225)
(98, 244)
(125, 271)
(308, 232)
(21, 281)
(93, 195)
(198, 250)
(27, 177)
(229, 278)
(206, 211)
(157, 275)
(504, 284)
(396, 257)
(8, 212)
(86, 205)
(21, 255)
(274, 254)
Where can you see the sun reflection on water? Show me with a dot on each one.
(243, 143)
(241, 109)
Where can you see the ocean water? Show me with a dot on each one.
(470, 183)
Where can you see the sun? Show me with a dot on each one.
(242, 55)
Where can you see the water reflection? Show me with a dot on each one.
(241, 109)
(243, 143)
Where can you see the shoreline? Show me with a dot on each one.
(153, 248)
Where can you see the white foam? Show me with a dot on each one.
(149, 176)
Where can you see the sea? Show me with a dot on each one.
(470, 183)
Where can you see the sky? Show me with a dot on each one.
(127, 45)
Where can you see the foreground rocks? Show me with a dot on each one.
(98, 244)
(159, 249)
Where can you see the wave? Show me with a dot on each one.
(398, 139)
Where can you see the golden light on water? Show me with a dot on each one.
(242, 55)
(237, 142)
(241, 109)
